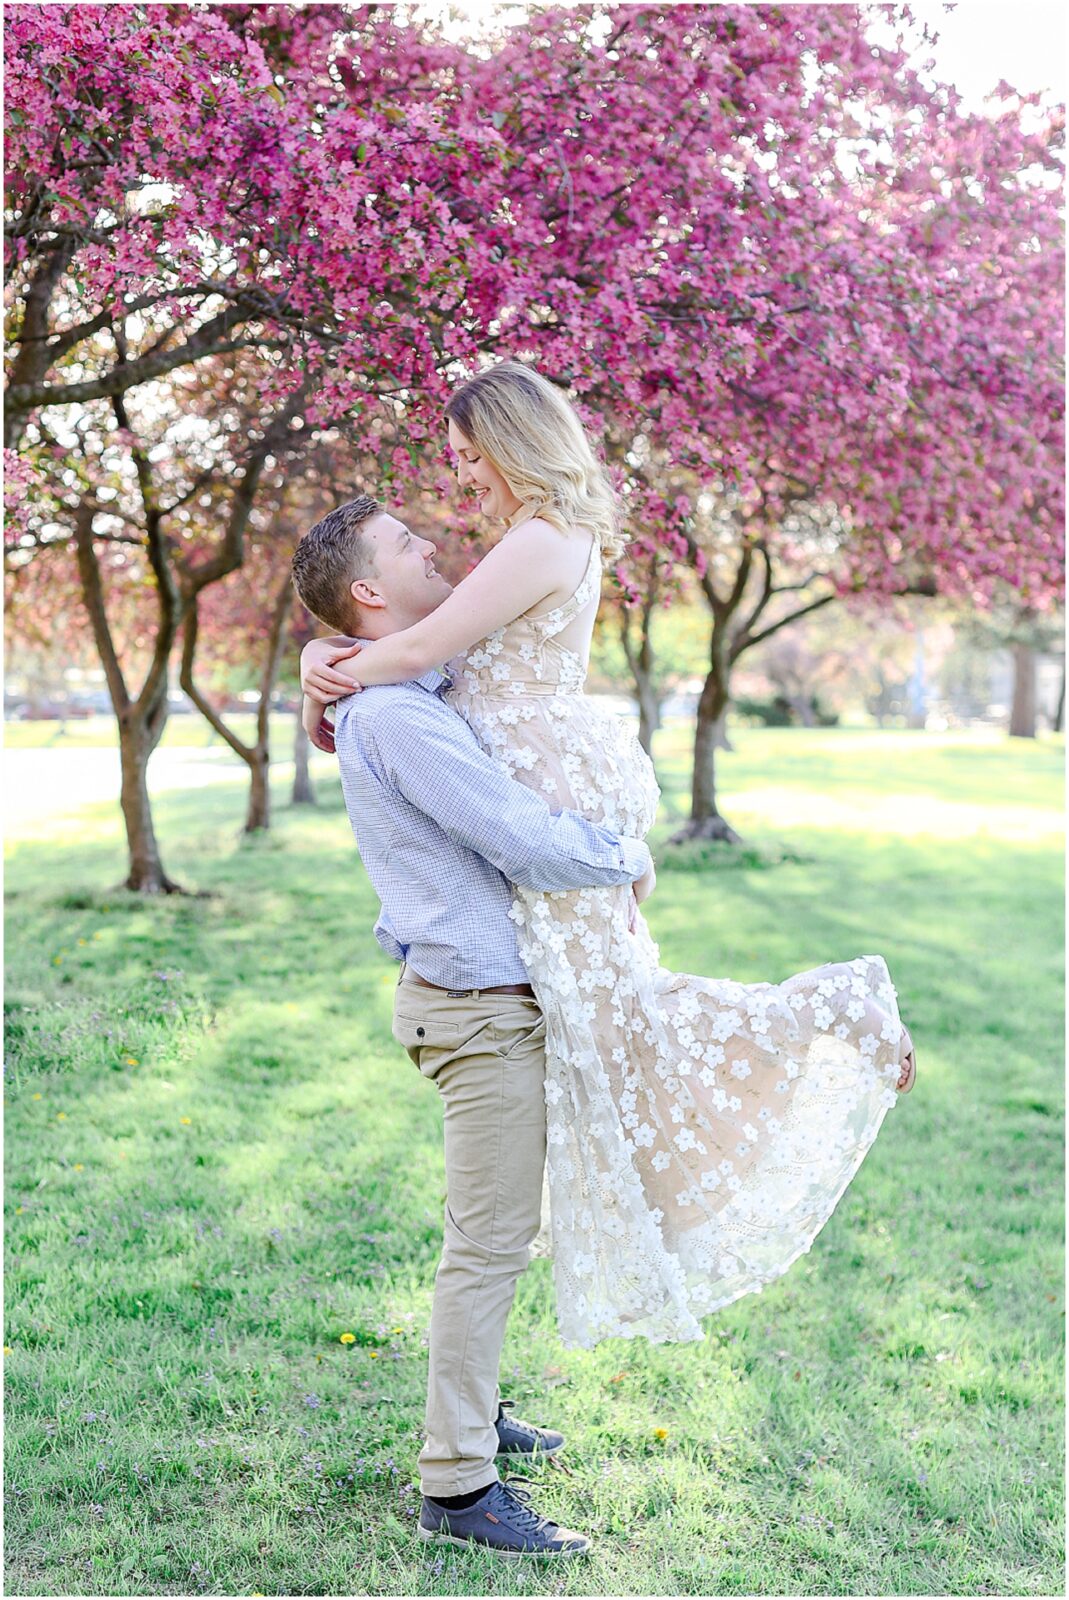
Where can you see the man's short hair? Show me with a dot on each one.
(331, 556)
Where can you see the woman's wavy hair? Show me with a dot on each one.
(532, 434)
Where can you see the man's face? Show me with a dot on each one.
(405, 579)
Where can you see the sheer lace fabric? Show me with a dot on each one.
(700, 1131)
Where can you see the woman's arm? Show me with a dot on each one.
(526, 567)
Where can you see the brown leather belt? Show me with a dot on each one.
(500, 988)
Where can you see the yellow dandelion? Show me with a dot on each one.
(18, 1211)
(660, 1433)
(132, 1061)
(347, 1338)
(7, 1350)
(78, 1167)
(37, 1097)
(373, 1355)
(186, 1121)
(83, 941)
(397, 1330)
(57, 961)
(61, 1116)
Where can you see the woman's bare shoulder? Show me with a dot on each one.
(539, 530)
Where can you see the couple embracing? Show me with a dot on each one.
(690, 1135)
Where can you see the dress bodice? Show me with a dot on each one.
(521, 691)
(524, 656)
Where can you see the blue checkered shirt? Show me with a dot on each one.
(442, 830)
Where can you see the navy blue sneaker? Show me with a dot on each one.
(501, 1521)
(516, 1438)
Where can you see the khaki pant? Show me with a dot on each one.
(486, 1054)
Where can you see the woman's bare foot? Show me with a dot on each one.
(908, 1073)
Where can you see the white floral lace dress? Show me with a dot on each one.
(700, 1131)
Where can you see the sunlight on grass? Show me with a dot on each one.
(183, 1412)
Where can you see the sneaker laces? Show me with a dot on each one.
(514, 1422)
(527, 1517)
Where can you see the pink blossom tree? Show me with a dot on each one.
(195, 190)
(776, 268)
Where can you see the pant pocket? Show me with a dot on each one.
(433, 1041)
(520, 1036)
(415, 1032)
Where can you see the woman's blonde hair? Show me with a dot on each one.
(532, 434)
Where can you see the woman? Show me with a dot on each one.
(700, 1131)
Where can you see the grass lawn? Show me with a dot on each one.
(219, 1163)
(185, 732)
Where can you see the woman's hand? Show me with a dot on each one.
(641, 890)
(316, 725)
(643, 887)
(632, 912)
(318, 677)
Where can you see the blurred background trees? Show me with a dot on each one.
(809, 304)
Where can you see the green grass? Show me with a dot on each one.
(181, 732)
(181, 1415)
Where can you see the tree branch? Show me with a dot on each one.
(744, 642)
(93, 594)
(168, 599)
(766, 589)
(716, 600)
(210, 339)
(276, 639)
(31, 360)
(185, 678)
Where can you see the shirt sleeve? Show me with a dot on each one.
(431, 756)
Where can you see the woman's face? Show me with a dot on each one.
(478, 475)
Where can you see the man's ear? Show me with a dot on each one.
(364, 595)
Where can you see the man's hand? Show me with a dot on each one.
(318, 677)
(316, 725)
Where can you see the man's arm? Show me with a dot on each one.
(429, 753)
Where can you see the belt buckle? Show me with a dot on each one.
(459, 994)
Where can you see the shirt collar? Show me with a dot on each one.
(432, 680)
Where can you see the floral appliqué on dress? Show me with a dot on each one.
(700, 1131)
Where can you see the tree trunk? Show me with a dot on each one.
(1023, 710)
(303, 791)
(705, 819)
(649, 716)
(136, 744)
(141, 721)
(258, 814)
(257, 757)
(1059, 711)
(641, 661)
(721, 741)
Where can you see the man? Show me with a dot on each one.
(442, 830)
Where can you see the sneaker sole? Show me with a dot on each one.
(530, 1455)
(433, 1536)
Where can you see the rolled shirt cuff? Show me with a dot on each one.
(635, 856)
